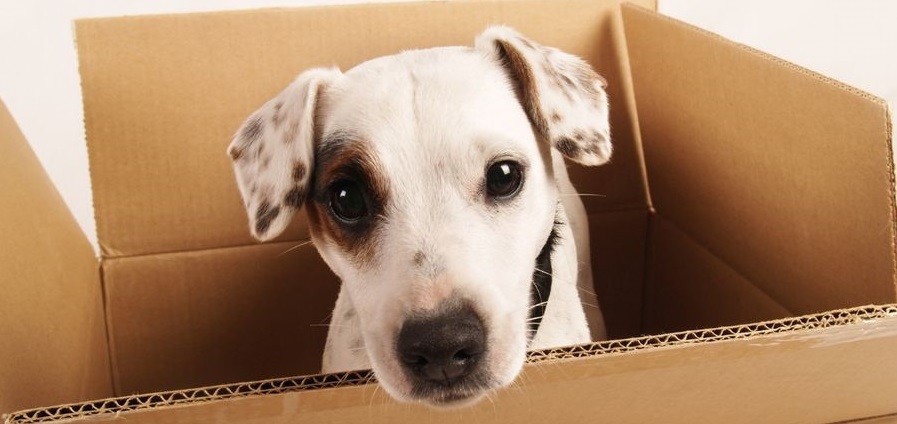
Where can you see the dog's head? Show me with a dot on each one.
(428, 183)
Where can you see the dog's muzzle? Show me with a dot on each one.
(442, 354)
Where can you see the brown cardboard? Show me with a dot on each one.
(686, 234)
(51, 319)
(619, 241)
(773, 168)
(691, 288)
(208, 317)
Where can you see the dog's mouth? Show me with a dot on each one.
(453, 394)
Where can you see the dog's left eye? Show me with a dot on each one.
(503, 179)
(347, 201)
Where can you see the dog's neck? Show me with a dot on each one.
(542, 282)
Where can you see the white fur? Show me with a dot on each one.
(433, 120)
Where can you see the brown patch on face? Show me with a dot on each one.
(345, 157)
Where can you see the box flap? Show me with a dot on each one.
(164, 94)
(771, 167)
(192, 319)
(731, 375)
(51, 321)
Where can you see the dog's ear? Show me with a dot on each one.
(563, 97)
(273, 153)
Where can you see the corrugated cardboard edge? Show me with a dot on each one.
(839, 318)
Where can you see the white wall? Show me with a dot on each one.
(851, 40)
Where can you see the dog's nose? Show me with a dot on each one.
(443, 347)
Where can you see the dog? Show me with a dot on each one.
(436, 189)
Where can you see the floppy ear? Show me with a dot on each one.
(563, 97)
(273, 153)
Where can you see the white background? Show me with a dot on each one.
(854, 41)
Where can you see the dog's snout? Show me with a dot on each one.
(442, 348)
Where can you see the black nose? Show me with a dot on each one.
(442, 347)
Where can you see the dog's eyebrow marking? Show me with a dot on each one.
(343, 155)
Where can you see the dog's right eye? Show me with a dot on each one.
(347, 201)
(503, 179)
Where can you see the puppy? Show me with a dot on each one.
(435, 187)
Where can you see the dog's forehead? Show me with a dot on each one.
(440, 95)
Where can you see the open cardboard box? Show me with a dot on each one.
(746, 195)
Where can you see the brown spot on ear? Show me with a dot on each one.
(295, 197)
(265, 162)
(289, 135)
(236, 152)
(555, 117)
(252, 130)
(264, 215)
(578, 135)
(299, 171)
(527, 92)
(567, 147)
(277, 117)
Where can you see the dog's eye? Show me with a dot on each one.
(347, 201)
(503, 179)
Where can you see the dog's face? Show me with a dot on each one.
(427, 180)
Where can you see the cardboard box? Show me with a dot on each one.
(745, 223)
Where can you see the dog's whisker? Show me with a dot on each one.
(544, 272)
(590, 305)
(587, 291)
(294, 248)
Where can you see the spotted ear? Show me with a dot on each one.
(273, 153)
(563, 97)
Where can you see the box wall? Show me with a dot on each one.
(51, 321)
(784, 175)
(193, 319)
